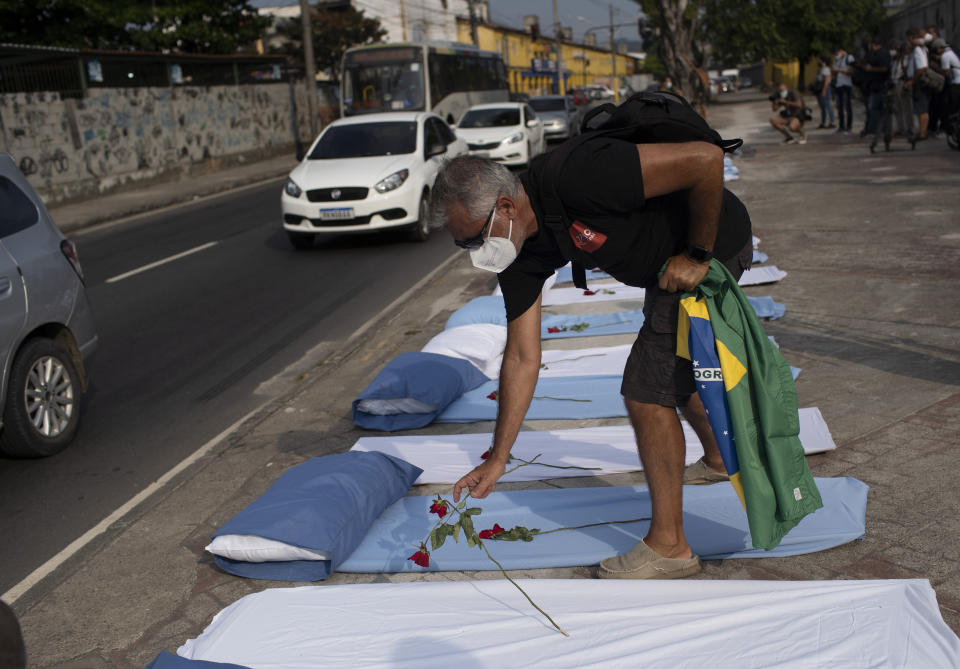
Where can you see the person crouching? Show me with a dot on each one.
(790, 117)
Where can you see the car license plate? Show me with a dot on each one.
(340, 214)
(481, 154)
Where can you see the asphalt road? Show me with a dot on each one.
(186, 346)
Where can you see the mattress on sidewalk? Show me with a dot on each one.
(713, 517)
(759, 275)
(557, 398)
(573, 397)
(609, 450)
(623, 624)
(489, 309)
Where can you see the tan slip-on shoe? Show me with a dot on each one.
(700, 473)
(641, 561)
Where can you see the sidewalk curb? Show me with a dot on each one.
(135, 210)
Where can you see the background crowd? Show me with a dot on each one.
(907, 88)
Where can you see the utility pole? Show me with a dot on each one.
(613, 58)
(403, 20)
(473, 24)
(556, 35)
(310, 69)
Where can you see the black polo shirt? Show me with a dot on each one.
(620, 231)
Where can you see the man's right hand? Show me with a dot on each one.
(481, 481)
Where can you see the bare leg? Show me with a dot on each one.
(924, 122)
(797, 126)
(697, 417)
(777, 123)
(661, 447)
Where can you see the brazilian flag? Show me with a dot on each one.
(751, 401)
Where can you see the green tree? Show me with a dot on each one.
(674, 24)
(65, 23)
(334, 31)
(191, 26)
(741, 31)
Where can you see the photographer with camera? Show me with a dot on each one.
(792, 114)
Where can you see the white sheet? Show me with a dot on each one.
(600, 361)
(571, 295)
(476, 624)
(553, 296)
(757, 275)
(444, 459)
(480, 344)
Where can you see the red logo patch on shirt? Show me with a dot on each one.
(586, 239)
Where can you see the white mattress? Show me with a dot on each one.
(757, 275)
(612, 449)
(692, 623)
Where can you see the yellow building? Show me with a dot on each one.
(531, 65)
(789, 73)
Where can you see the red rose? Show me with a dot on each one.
(421, 558)
(553, 329)
(492, 533)
(492, 396)
(439, 508)
(589, 292)
(485, 455)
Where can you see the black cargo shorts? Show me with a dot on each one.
(653, 373)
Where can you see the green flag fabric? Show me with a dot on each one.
(773, 480)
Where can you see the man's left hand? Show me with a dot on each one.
(682, 274)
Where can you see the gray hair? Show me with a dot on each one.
(473, 182)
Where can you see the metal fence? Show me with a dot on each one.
(72, 72)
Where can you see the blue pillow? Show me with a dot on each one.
(486, 309)
(428, 378)
(325, 504)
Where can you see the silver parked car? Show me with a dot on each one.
(47, 333)
(561, 118)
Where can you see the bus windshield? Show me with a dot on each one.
(379, 80)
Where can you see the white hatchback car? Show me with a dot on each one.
(507, 132)
(367, 173)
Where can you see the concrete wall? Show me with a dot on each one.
(76, 148)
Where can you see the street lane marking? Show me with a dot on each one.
(184, 254)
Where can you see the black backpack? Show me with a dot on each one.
(643, 118)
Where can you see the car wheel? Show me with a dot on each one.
(421, 229)
(300, 241)
(42, 410)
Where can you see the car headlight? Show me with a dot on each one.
(395, 180)
(513, 139)
(292, 189)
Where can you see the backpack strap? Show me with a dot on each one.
(555, 216)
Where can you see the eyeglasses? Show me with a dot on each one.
(476, 241)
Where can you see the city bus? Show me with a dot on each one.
(443, 77)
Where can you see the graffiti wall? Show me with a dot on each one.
(70, 148)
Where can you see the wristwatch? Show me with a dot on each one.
(699, 254)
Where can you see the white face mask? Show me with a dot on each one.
(783, 94)
(497, 253)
